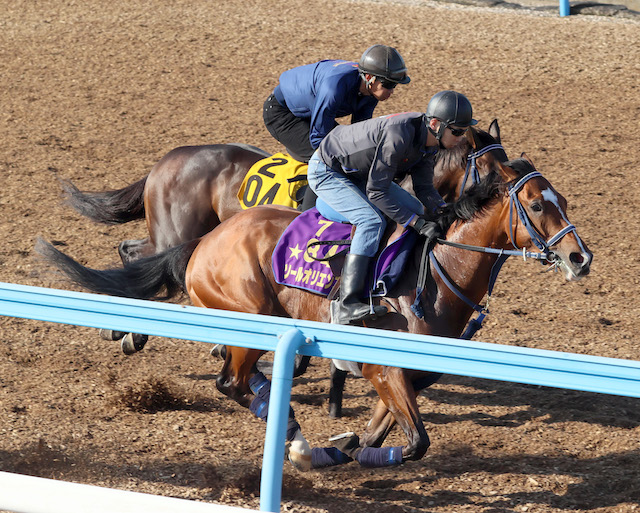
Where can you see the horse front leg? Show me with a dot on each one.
(397, 394)
(241, 381)
(383, 420)
(396, 390)
(379, 427)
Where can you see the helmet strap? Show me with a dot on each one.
(438, 135)
(370, 81)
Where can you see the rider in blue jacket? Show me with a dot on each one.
(354, 173)
(304, 106)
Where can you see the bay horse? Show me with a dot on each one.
(230, 269)
(192, 189)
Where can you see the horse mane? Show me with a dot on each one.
(477, 198)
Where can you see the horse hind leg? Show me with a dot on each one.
(240, 380)
(112, 335)
(298, 449)
(132, 250)
(130, 343)
(336, 390)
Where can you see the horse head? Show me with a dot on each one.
(537, 216)
(456, 169)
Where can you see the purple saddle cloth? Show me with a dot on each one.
(295, 264)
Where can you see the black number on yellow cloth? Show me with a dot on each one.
(264, 185)
(252, 194)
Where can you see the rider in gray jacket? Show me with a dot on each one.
(354, 173)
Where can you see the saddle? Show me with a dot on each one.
(310, 255)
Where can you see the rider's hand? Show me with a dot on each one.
(429, 229)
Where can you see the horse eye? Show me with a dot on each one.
(536, 207)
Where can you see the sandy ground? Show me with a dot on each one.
(97, 92)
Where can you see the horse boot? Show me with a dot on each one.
(349, 308)
(372, 457)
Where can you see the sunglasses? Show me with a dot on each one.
(387, 84)
(457, 132)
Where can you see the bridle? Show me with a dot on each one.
(514, 204)
(545, 253)
(471, 169)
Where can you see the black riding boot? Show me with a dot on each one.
(349, 308)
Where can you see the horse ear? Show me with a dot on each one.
(472, 137)
(525, 157)
(506, 172)
(494, 130)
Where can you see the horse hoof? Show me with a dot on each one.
(111, 334)
(219, 351)
(300, 453)
(133, 342)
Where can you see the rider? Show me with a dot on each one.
(353, 173)
(304, 106)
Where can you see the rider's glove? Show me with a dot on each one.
(429, 229)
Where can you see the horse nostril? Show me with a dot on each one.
(576, 258)
(580, 261)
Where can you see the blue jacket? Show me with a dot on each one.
(322, 92)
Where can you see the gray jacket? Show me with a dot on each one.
(376, 152)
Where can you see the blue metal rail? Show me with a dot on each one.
(288, 336)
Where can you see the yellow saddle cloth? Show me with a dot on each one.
(276, 180)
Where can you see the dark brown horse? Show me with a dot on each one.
(230, 268)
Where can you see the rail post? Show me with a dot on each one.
(281, 383)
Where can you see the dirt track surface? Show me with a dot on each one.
(97, 92)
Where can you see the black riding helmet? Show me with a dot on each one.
(384, 62)
(450, 108)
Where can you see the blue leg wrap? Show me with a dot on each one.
(379, 456)
(327, 457)
(259, 408)
(261, 387)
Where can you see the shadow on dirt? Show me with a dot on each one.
(610, 475)
(555, 405)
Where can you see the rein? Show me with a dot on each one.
(342, 242)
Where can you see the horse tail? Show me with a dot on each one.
(146, 278)
(107, 207)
